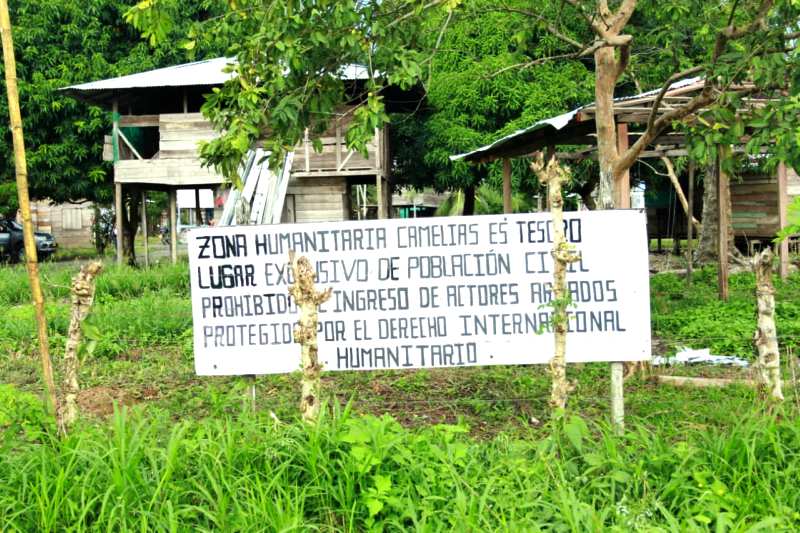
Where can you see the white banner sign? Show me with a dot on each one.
(420, 293)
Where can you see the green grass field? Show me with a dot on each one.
(471, 449)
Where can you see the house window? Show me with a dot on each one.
(71, 219)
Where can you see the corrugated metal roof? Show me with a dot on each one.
(206, 72)
(560, 121)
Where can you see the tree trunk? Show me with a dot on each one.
(308, 301)
(82, 291)
(708, 246)
(469, 201)
(766, 336)
(605, 81)
(21, 172)
(554, 175)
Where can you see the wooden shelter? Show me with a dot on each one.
(759, 203)
(157, 126)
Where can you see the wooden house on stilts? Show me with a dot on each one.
(157, 126)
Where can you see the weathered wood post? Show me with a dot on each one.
(308, 301)
(144, 230)
(21, 170)
(554, 175)
(82, 291)
(765, 337)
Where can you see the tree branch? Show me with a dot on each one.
(547, 25)
(672, 79)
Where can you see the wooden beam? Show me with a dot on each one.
(139, 121)
(783, 207)
(723, 194)
(507, 207)
(144, 230)
(622, 185)
(173, 225)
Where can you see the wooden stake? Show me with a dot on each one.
(308, 300)
(507, 207)
(617, 397)
(554, 175)
(766, 336)
(82, 291)
(21, 168)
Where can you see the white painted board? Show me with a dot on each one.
(420, 293)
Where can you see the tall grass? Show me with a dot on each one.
(366, 473)
(116, 282)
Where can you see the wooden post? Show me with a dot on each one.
(21, 170)
(766, 336)
(173, 225)
(308, 300)
(507, 207)
(117, 186)
(783, 206)
(118, 215)
(723, 190)
(337, 144)
(82, 292)
(689, 225)
(617, 397)
(198, 214)
(622, 185)
(381, 196)
(144, 230)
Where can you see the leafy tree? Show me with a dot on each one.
(475, 94)
(60, 43)
(290, 54)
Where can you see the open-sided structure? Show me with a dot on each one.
(158, 125)
(759, 202)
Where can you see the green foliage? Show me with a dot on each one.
(694, 317)
(371, 474)
(21, 414)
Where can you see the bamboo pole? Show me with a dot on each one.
(308, 300)
(21, 167)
